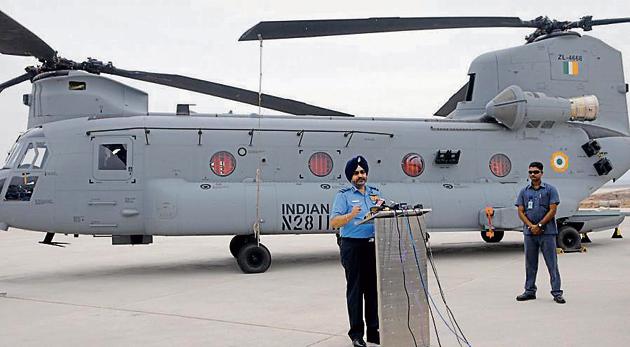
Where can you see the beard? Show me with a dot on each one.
(359, 182)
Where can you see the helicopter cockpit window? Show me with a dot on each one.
(112, 156)
(471, 86)
(35, 156)
(13, 155)
(75, 85)
(21, 188)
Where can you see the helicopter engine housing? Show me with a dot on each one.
(60, 95)
(514, 108)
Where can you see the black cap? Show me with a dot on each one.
(352, 165)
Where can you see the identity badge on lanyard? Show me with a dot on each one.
(530, 204)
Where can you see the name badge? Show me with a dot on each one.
(530, 205)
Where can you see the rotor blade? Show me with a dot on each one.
(451, 104)
(328, 27)
(226, 92)
(605, 22)
(17, 40)
(15, 81)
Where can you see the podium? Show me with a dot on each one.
(402, 284)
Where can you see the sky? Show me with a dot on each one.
(405, 74)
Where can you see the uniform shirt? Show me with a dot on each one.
(345, 199)
(536, 203)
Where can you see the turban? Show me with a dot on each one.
(352, 165)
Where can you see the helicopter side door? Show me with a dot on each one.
(115, 196)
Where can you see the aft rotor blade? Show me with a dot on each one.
(586, 23)
(329, 27)
(17, 40)
(15, 81)
(451, 104)
(226, 92)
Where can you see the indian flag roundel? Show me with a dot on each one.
(559, 162)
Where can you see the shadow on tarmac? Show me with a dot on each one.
(216, 266)
(280, 262)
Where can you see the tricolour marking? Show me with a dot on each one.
(571, 68)
(559, 162)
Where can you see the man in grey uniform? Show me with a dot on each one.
(537, 204)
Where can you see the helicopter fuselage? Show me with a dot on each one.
(166, 179)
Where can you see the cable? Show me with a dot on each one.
(437, 278)
(450, 314)
(430, 253)
(402, 265)
(427, 295)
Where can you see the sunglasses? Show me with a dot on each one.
(358, 172)
(534, 172)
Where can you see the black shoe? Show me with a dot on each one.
(358, 343)
(559, 299)
(373, 337)
(526, 296)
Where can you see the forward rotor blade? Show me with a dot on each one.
(451, 104)
(17, 40)
(15, 81)
(226, 92)
(329, 27)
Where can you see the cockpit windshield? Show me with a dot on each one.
(27, 155)
(35, 156)
(13, 155)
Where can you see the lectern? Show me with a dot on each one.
(401, 269)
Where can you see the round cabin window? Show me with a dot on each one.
(412, 165)
(500, 165)
(222, 163)
(320, 164)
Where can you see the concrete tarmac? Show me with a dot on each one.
(189, 291)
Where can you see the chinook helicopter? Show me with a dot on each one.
(94, 161)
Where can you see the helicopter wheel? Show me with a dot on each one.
(498, 236)
(569, 238)
(254, 258)
(238, 242)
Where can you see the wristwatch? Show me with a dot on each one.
(540, 225)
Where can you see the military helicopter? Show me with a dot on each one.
(94, 161)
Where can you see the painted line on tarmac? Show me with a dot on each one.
(175, 315)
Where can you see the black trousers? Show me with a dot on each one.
(359, 262)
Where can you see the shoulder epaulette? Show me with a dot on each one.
(345, 189)
(374, 188)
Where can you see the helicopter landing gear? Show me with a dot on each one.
(238, 242)
(569, 239)
(498, 236)
(253, 258)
